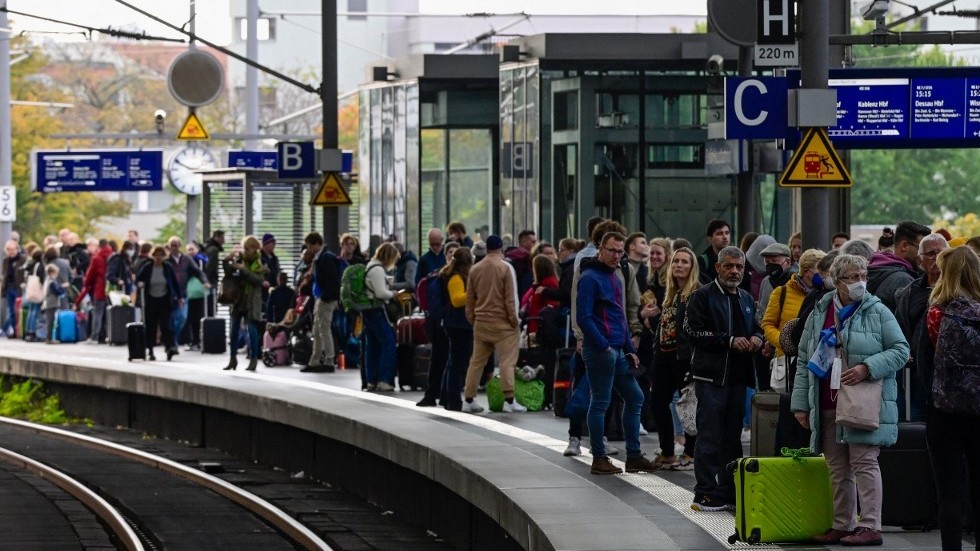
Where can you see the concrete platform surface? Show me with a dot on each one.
(509, 465)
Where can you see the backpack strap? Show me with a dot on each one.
(782, 301)
(366, 280)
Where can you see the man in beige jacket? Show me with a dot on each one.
(491, 306)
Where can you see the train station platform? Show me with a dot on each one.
(457, 472)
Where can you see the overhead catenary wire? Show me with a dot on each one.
(109, 31)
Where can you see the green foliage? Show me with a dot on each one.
(901, 184)
(25, 400)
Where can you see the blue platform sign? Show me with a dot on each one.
(755, 107)
(97, 170)
(263, 159)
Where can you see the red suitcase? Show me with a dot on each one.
(411, 330)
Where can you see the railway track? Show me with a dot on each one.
(148, 502)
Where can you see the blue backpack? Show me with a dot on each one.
(436, 297)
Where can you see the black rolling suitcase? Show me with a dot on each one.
(136, 334)
(118, 318)
(561, 385)
(910, 501)
(423, 357)
(213, 339)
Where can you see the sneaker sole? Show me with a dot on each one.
(653, 470)
(572, 454)
(617, 471)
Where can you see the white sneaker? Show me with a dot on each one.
(385, 387)
(574, 446)
(513, 407)
(746, 436)
(472, 407)
(643, 431)
(610, 450)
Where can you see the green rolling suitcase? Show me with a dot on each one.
(781, 499)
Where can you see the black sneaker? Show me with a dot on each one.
(707, 504)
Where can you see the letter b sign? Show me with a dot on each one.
(297, 160)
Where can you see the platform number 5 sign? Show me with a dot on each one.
(8, 204)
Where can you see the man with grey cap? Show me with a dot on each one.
(479, 251)
(492, 306)
(779, 270)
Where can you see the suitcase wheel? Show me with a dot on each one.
(755, 537)
(732, 539)
(269, 359)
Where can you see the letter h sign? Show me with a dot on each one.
(776, 22)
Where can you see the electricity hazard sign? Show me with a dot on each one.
(193, 129)
(815, 164)
(331, 193)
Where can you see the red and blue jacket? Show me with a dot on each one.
(600, 310)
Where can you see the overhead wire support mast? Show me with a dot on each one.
(106, 31)
(301, 85)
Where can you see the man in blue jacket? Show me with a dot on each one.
(608, 353)
(721, 327)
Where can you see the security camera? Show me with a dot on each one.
(874, 10)
(159, 117)
(715, 65)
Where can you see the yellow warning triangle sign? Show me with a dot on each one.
(193, 129)
(815, 164)
(331, 192)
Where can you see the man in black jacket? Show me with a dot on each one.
(723, 333)
(326, 294)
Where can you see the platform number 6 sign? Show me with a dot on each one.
(8, 204)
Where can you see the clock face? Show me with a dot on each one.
(184, 163)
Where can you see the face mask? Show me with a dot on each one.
(817, 281)
(856, 290)
(130, 253)
(828, 283)
(774, 270)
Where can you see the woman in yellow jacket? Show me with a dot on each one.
(785, 301)
(458, 329)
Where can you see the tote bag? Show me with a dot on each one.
(859, 406)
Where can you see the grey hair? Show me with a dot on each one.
(845, 262)
(731, 251)
(857, 247)
(932, 237)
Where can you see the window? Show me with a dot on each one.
(265, 29)
(359, 6)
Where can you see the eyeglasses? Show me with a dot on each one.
(617, 252)
(930, 254)
(853, 278)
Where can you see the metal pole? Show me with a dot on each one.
(746, 220)
(193, 201)
(328, 95)
(5, 177)
(814, 63)
(251, 73)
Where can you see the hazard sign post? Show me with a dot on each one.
(331, 192)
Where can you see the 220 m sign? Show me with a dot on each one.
(777, 55)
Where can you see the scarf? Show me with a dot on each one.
(823, 357)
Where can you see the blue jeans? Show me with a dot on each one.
(608, 369)
(747, 418)
(254, 344)
(11, 321)
(719, 419)
(178, 318)
(33, 310)
(379, 347)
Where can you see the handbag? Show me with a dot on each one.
(859, 406)
(687, 409)
(231, 290)
(777, 375)
(195, 289)
(34, 292)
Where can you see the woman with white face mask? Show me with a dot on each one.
(851, 338)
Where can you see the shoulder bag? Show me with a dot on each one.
(859, 406)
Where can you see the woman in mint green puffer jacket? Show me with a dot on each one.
(873, 348)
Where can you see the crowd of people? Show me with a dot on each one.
(651, 320)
